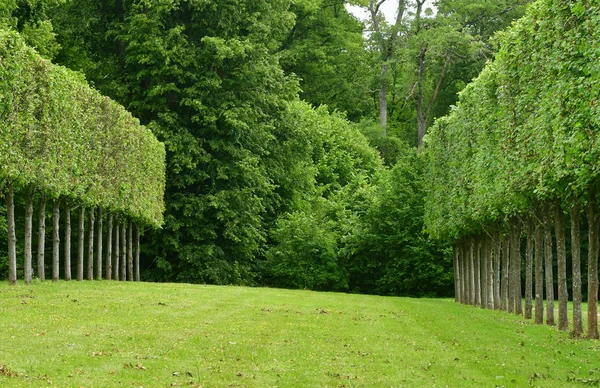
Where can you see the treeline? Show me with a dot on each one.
(63, 143)
(262, 189)
(518, 157)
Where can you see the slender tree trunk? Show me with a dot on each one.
(130, 252)
(484, 272)
(41, 270)
(27, 268)
(383, 98)
(124, 251)
(593, 221)
(490, 274)
(137, 253)
(80, 243)
(549, 273)
(472, 272)
(561, 258)
(477, 278)
(497, 261)
(505, 273)
(529, 272)
(99, 245)
(109, 248)
(576, 263)
(515, 262)
(91, 234)
(539, 276)
(456, 274)
(512, 265)
(67, 269)
(116, 252)
(56, 240)
(12, 235)
(465, 272)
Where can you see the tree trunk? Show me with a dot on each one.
(576, 264)
(91, 235)
(529, 272)
(67, 258)
(41, 270)
(477, 278)
(456, 274)
(383, 98)
(515, 263)
(484, 271)
(421, 119)
(505, 273)
(497, 261)
(80, 243)
(137, 253)
(116, 252)
(593, 221)
(512, 265)
(471, 272)
(109, 248)
(463, 271)
(12, 235)
(124, 251)
(99, 245)
(56, 240)
(539, 276)
(130, 252)
(27, 267)
(490, 273)
(561, 258)
(549, 273)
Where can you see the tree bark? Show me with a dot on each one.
(12, 235)
(529, 272)
(27, 267)
(116, 252)
(576, 264)
(477, 278)
(130, 252)
(41, 270)
(497, 261)
(91, 235)
(505, 273)
(484, 272)
(80, 243)
(137, 253)
(456, 274)
(99, 243)
(490, 273)
(549, 273)
(593, 221)
(561, 258)
(56, 240)
(515, 262)
(539, 276)
(67, 259)
(472, 271)
(124, 251)
(109, 248)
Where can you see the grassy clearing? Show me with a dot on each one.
(109, 334)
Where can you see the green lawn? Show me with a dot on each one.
(113, 334)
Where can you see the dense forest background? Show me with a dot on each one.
(292, 129)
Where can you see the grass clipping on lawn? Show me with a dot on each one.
(108, 334)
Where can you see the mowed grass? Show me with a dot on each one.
(110, 334)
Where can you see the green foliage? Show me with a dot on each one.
(391, 255)
(524, 131)
(325, 50)
(68, 140)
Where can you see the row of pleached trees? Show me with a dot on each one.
(63, 144)
(515, 165)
